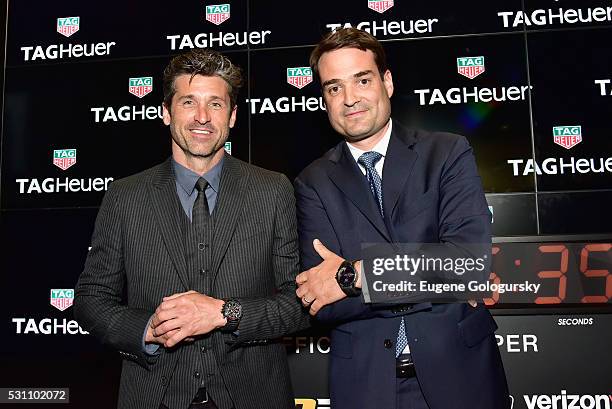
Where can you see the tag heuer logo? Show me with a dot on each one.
(567, 136)
(67, 26)
(299, 77)
(380, 6)
(141, 86)
(470, 67)
(62, 298)
(217, 13)
(228, 148)
(64, 158)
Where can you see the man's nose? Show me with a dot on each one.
(351, 97)
(202, 114)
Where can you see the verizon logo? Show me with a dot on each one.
(565, 401)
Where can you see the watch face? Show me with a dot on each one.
(346, 276)
(233, 310)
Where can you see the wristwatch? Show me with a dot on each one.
(347, 278)
(232, 311)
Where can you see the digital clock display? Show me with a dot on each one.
(568, 273)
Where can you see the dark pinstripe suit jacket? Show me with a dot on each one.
(137, 250)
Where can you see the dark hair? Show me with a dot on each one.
(349, 38)
(202, 62)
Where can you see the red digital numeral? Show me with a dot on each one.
(495, 279)
(560, 274)
(584, 262)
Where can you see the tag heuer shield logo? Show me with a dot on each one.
(228, 147)
(67, 26)
(64, 158)
(141, 86)
(380, 6)
(217, 13)
(62, 298)
(567, 136)
(299, 77)
(470, 67)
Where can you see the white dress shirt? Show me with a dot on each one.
(380, 147)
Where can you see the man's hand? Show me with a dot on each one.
(318, 287)
(185, 315)
(150, 338)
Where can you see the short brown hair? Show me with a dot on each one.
(204, 62)
(349, 38)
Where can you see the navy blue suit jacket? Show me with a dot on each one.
(431, 194)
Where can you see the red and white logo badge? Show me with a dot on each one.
(64, 158)
(299, 77)
(217, 13)
(62, 298)
(141, 86)
(67, 26)
(567, 136)
(380, 6)
(470, 67)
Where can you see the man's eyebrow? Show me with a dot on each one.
(362, 73)
(332, 81)
(357, 75)
(192, 96)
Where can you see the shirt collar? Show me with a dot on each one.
(380, 147)
(186, 178)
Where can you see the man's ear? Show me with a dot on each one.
(232, 119)
(166, 114)
(388, 82)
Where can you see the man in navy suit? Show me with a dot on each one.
(387, 184)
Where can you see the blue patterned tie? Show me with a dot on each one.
(368, 160)
(402, 340)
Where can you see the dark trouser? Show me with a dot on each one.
(207, 405)
(409, 395)
(201, 401)
(407, 389)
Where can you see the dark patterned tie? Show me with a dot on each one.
(368, 160)
(200, 213)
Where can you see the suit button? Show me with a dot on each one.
(203, 271)
(196, 374)
(204, 349)
(201, 246)
(388, 343)
(164, 380)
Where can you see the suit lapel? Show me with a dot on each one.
(228, 208)
(165, 204)
(399, 162)
(347, 176)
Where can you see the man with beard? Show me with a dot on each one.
(388, 184)
(204, 247)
